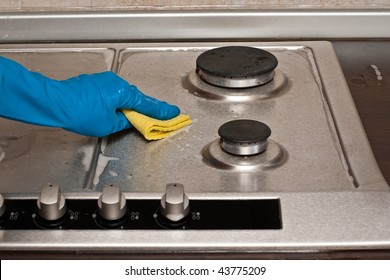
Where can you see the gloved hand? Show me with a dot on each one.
(87, 104)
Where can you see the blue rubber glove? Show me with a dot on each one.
(87, 104)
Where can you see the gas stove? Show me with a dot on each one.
(276, 159)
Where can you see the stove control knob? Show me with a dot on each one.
(51, 203)
(112, 203)
(175, 203)
(2, 205)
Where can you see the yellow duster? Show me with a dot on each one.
(153, 129)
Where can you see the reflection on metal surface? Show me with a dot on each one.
(14, 146)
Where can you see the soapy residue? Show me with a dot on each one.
(2, 155)
(103, 145)
(87, 152)
(102, 162)
(14, 145)
(101, 165)
(378, 74)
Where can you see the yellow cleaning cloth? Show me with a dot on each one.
(153, 129)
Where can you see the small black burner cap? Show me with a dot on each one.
(244, 137)
(236, 62)
(244, 131)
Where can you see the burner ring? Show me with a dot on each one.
(236, 66)
(198, 87)
(275, 156)
(243, 149)
(231, 82)
(244, 137)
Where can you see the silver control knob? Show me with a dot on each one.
(112, 203)
(175, 203)
(51, 203)
(2, 205)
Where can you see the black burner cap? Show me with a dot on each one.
(236, 62)
(244, 131)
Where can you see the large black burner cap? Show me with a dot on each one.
(236, 62)
(244, 131)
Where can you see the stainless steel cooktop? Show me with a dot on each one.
(318, 166)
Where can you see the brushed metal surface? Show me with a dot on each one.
(370, 91)
(194, 25)
(302, 121)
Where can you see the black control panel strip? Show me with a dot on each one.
(257, 214)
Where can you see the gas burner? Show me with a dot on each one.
(236, 74)
(244, 146)
(244, 137)
(236, 67)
